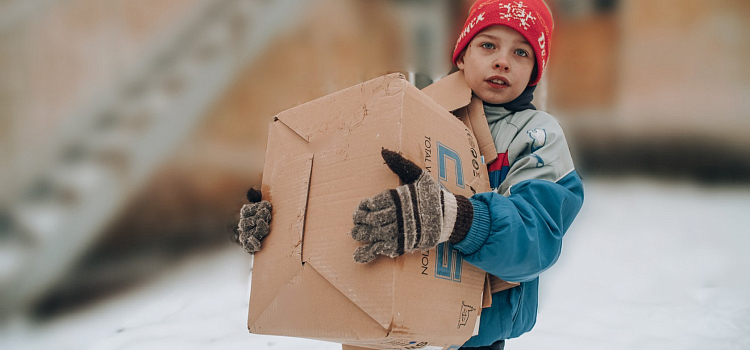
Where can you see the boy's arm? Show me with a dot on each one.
(518, 235)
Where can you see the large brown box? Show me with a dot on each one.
(323, 157)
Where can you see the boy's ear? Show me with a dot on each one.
(460, 60)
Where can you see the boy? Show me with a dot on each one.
(514, 232)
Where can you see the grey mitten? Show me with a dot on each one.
(415, 216)
(254, 220)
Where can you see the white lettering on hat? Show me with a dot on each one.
(542, 44)
(517, 11)
(470, 26)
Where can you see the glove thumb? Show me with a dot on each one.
(406, 170)
(253, 195)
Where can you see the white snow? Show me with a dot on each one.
(650, 266)
(647, 265)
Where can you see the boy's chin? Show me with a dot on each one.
(493, 99)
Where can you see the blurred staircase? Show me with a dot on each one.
(105, 152)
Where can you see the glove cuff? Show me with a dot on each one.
(458, 214)
(464, 217)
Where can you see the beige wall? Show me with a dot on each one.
(669, 68)
(56, 61)
(684, 67)
(582, 72)
(338, 44)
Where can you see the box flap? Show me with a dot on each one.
(281, 257)
(309, 298)
(487, 292)
(496, 284)
(352, 347)
(481, 130)
(322, 117)
(328, 245)
(451, 92)
(362, 120)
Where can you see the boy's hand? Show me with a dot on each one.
(415, 216)
(254, 220)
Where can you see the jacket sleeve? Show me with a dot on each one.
(518, 234)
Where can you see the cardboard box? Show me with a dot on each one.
(323, 157)
(455, 95)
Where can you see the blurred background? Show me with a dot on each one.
(130, 129)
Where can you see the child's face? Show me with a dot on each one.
(497, 63)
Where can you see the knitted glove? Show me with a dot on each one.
(415, 216)
(254, 220)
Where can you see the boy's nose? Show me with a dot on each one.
(501, 62)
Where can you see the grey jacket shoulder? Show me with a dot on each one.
(535, 145)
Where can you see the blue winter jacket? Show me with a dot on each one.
(517, 229)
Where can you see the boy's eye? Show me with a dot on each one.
(488, 46)
(522, 53)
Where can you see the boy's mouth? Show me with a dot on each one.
(498, 81)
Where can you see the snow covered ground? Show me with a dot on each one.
(647, 265)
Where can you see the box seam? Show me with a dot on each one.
(304, 218)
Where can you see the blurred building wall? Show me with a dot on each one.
(654, 87)
(684, 69)
(58, 59)
(59, 56)
(670, 69)
(583, 69)
(338, 44)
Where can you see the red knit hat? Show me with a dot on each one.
(531, 18)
